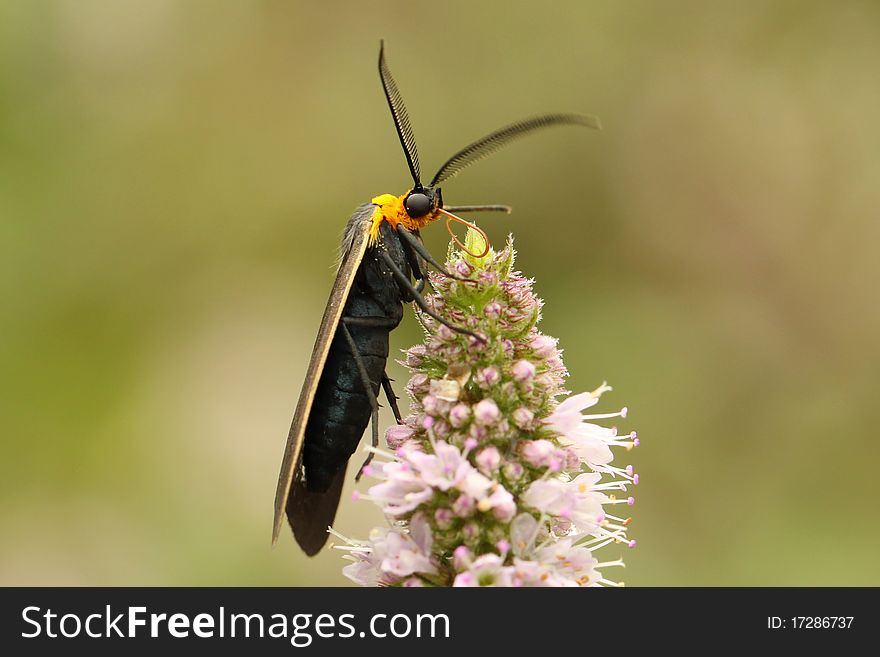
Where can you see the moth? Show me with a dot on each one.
(382, 254)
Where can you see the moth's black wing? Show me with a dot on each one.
(311, 513)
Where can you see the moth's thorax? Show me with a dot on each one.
(391, 208)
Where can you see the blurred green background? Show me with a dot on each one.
(174, 177)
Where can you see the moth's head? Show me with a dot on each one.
(421, 202)
(421, 205)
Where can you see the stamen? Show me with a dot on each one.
(603, 539)
(608, 541)
(604, 416)
(350, 541)
(629, 500)
(610, 485)
(378, 451)
(616, 472)
(617, 518)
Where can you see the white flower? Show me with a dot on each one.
(567, 416)
(390, 554)
(486, 570)
(406, 554)
(573, 500)
(570, 561)
(364, 571)
(535, 573)
(443, 469)
(402, 491)
(591, 442)
(500, 502)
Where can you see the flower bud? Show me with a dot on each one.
(488, 460)
(523, 370)
(397, 434)
(543, 345)
(488, 377)
(523, 417)
(459, 415)
(486, 412)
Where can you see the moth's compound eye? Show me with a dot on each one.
(417, 205)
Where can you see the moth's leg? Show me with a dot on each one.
(386, 381)
(405, 283)
(365, 379)
(392, 398)
(416, 245)
(413, 259)
(410, 252)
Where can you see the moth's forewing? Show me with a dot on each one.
(354, 244)
(310, 513)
